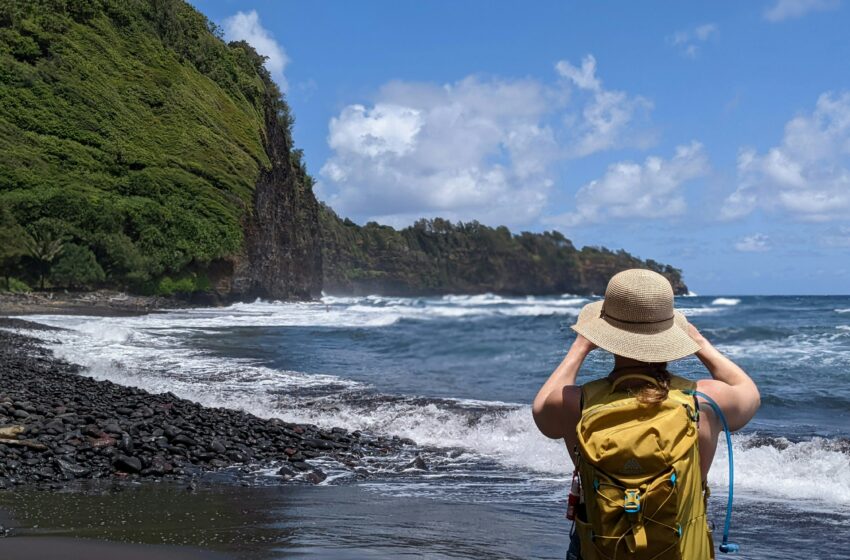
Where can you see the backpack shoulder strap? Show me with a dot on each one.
(592, 391)
(681, 390)
(682, 384)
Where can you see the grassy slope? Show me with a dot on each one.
(110, 133)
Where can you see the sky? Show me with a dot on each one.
(711, 136)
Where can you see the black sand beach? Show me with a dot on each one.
(73, 450)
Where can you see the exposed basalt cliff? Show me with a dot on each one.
(283, 253)
(435, 257)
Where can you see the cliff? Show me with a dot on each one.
(157, 157)
(435, 257)
(283, 253)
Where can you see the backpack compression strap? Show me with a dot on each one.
(726, 546)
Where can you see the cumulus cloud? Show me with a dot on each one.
(688, 41)
(480, 148)
(246, 26)
(791, 9)
(631, 190)
(607, 115)
(756, 243)
(807, 175)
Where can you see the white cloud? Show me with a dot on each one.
(644, 191)
(383, 130)
(756, 243)
(688, 41)
(808, 175)
(584, 77)
(606, 117)
(790, 9)
(245, 26)
(479, 148)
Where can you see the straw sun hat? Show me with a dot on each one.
(637, 320)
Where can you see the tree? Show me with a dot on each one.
(77, 267)
(43, 246)
(12, 248)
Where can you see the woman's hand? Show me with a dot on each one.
(698, 337)
(582, 346)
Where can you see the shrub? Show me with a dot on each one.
(14, 285)
(76, 268)
(185, 285)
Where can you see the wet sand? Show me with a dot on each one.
(52, 548)
(159, 520)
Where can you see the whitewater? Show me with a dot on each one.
(456, 375)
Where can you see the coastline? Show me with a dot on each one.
(61, 431)
(97, 303)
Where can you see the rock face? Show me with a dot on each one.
(283, 252)
(434, 257)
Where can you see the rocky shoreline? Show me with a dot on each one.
(99, 303)
(57, 426)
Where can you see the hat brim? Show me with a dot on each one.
(646, 343)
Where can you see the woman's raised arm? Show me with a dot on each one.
(552, 411)
(734, 391)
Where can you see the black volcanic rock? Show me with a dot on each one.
(283, 256)
(83, 428)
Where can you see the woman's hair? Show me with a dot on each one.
(651, 393)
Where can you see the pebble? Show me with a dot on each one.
(83, 428)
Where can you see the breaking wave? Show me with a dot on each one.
(153, 352)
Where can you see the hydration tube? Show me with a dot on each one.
(725, 547)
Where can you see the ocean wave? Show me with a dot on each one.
(333, 312)
(816, 470)
(843, 310)
(695, 311)
(152, 352)
(830, 348)
(726, 301)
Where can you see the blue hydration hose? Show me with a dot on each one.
(726, 546)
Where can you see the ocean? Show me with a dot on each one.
(456, 374)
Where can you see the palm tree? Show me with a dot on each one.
(43, 247)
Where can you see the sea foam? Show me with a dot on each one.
(726, 301)
(153, 352)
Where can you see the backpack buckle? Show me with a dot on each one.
(631, 502)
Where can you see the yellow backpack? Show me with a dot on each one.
(639, 465)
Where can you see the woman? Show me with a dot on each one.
(638, 324)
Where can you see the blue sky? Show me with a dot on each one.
(712, 136)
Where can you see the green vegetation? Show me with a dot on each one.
(76, 267)
(12, 248)
(140, 151)
(438, 257)
(134, 131)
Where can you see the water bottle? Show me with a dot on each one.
(574, 497)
